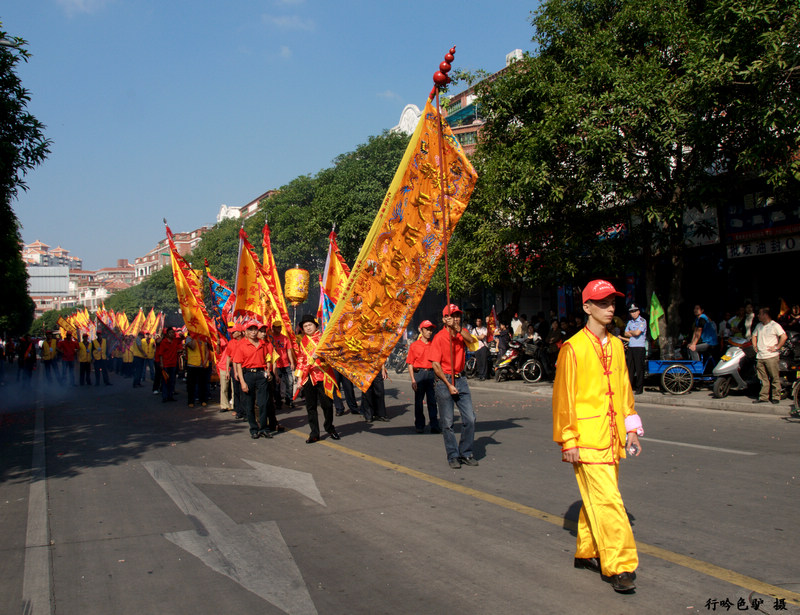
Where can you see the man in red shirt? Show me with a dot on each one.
(167, 361)
(68, 349)
(237, 336)
(423, 378)
(447, 355)
(252, 360)
(284, 367)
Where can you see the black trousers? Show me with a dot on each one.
(373, 402)
(257, 400)
(482, 362)
(315, 395)
(634, 357)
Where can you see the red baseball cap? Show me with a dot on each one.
(253, 323)
(426, 324)
(451, 309)
(599, 289)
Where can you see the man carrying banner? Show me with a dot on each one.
(315, 380)
(167, 361)
(448, 355)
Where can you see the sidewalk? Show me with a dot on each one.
(697, 397)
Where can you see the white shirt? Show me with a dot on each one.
(767, 336)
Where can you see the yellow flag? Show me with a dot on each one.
(190, 297)
(400, 253)
(277, 300)
(252, 288)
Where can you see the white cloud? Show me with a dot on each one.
(73, 7)
(285, 52)
(290, 22)
(388, 95)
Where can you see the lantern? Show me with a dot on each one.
(296, 285)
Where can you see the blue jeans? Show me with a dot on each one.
(446, 404)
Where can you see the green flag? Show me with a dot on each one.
(656, 312)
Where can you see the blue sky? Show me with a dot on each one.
(171, 108)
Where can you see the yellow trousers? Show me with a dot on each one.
(603, 527)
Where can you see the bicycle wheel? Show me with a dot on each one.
(532, 371)
(677, 379)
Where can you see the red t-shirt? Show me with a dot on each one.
(439, 351)
(68, 349)
(418, 354)
(167, 352)
(281, 345)
(252, 356)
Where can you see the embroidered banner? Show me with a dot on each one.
(400, 253)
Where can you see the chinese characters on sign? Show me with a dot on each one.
(770, 245)
(726, 604)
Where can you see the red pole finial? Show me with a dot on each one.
(440, 78)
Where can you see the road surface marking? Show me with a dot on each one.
(701, 446)
(718, 572)
(36, 574)
(254, 555)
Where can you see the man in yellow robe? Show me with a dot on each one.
(593, 416)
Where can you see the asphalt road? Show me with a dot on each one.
(114, 503)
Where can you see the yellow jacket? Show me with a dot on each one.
(48, 349)
(592, 397)
(149, 347)
(99, 350)
(199, 355)
(84, 352)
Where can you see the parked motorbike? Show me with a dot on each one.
(736, 370)
(397, 359)
(537, 364)
(509, 366)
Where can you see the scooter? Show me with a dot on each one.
(736, 370)
(508, 366)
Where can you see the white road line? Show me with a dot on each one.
(36, 576)
(702, 446)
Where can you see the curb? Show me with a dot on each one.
(696, 398)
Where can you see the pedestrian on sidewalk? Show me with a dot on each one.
(768, 339)
(423, 379)
(593, 415)
(636, 332)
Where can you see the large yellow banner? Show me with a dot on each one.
(400, 253)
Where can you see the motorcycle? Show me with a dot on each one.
(538, 363)
(509, 365)
(736, 370)
(397, 359)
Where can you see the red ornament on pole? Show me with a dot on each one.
(440, 78)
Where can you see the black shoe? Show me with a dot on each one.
(623, 582)
(588, 563)
(223, 409)
(264, 434)
(383, 419)
(455, 464)
(334, 435)
(254, 435)
(760, 401)
(468, 461)
(290, 404)
(340, 413)
(419, 430)
(435, 430)
(279, 428)
(312, 439)
(775, 401)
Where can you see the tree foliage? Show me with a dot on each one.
(23, 146)
(632, 112)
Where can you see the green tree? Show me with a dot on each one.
(23, 146)
(630, 112)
